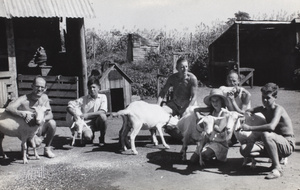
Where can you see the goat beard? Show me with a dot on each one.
(32, 123)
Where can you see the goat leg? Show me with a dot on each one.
(24, 151)
(159, 129)
(136, 128)
(184, 148)
(199, 150)
(37, 157)
(1, 148)
(153, 135)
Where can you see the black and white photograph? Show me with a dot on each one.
(149, 94)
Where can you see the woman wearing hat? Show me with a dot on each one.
(216, 146)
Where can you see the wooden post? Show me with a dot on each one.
(238, 47)
(12, 63)
(83, 56)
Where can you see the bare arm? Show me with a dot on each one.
(269, 126)
(193, 90)
(49, 114)
(164, 90)
(245, 99)
(13, 107)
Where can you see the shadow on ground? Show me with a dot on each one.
(172, 162)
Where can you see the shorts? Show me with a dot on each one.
(176, 108)
(285, 145)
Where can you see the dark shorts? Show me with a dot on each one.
(177, 109)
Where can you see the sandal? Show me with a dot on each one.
(275, 173)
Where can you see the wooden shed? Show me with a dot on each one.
(58, 26)
(117, 87)
(267, 48)
(138, 47)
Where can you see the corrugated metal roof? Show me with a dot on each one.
(46, 8)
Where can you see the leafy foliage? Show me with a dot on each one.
(111, 46)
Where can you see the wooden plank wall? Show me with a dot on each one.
(60, 89)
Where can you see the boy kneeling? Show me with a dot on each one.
(278, 139)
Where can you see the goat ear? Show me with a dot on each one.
(72, 125)
(218, 118)
(225, 110)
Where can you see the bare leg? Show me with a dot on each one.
(101, 124)
(49, 130)
(271, 147)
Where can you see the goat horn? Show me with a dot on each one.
(72, 125)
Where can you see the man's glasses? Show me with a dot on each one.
(39, 87)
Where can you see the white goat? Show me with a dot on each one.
(16, 126)
(245, 137)
(76, 127)
(195, 132)
(142, 115)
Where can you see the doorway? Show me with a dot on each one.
(117, 99)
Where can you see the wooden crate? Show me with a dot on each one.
(60, 89)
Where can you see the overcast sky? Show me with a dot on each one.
(178, 14)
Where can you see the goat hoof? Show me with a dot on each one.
(134, 152)
(167, 146)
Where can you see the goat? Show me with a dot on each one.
(142, 115)
(194, 131)
(76, 126)
(15, 126)
(245, 137)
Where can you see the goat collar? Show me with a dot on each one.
(169, 120)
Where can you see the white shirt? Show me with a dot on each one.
(87, 104)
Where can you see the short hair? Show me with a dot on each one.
(233, 72)
(270, 88)
(180, 60)
(37, 77)
(93, 80)
(96, 73)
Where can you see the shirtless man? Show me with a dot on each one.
(238, 97)
(184, 86)
(278, 139)
(35, 98)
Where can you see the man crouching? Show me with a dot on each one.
(93, 108)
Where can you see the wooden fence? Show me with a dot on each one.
(60, 89)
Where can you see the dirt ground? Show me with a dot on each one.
(92, 167)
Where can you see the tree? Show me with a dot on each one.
(239, 16)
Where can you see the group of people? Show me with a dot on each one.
(277, 139)
(93, 108)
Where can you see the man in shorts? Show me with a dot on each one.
(35, 98)
(278, 139)
(184, 86)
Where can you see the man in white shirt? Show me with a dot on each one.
(93, 107)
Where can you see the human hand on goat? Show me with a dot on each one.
(246, 127)
(27, 116)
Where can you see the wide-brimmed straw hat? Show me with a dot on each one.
(215, 92)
